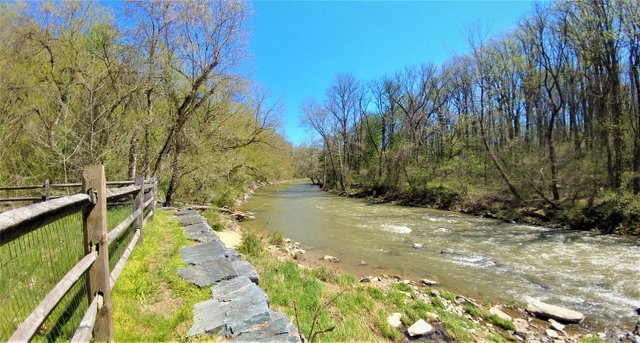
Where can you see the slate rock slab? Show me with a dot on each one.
(244, 268)
(278, 329)
(233, 255)
(204, 237)
(186, 211)
(238, 305)
(190, 219)
(198, 254)
(209, 272)
(237, 289)
(198, 228)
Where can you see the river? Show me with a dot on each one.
(598, 275)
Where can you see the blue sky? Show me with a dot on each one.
(298, 47)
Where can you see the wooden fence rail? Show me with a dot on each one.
(47, 187)
(97, 322)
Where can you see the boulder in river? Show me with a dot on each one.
(561, 314)
(419, 328)
(418, 245)
(329, 258)
(428, 282)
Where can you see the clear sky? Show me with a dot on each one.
(298, 47)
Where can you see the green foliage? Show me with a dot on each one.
(213, 219)
(251, 244)
(276, 238)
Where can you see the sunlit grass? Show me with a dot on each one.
(151, 302)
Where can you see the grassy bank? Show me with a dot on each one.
(151, 303)
(325, 299)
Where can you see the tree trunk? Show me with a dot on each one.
(175, 175)
(133, 157)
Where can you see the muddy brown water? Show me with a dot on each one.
(598, 275)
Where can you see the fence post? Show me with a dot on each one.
(47, 190)
(95, 239)
(138, 202)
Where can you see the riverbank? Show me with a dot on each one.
(614, 213)
(387, 307)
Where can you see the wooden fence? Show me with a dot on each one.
(97, 322)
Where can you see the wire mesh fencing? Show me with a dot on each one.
(117, 212)
(31, 266)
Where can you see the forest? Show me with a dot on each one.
(155, 91)
(540, 124)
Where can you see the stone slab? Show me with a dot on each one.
(190, 219)
(244, 268)
(198, 228)
(201, 253)
(278, 329)
(237, 288)
(231, 313)
(561, 314)
(186, 212)
(233, 255)
(209, 272)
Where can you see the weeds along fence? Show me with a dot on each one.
(59, 258)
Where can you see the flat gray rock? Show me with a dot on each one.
(198, 228)
(185, 212)
(209, 272)
(238, 305)
(233, 255)
(244, 268)
(190, 219)
(278, 329)
(238, 288)
(201, 233)
(204, 237)
(561, 314)
(200, 253)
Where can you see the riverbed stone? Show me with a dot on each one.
(495, 310)
(190, 219)
(278, 329)
(419, 328)
(561, 314)
(201, 253)
(329, 258)
(418, 245)
(244, 268)
(394, 320)
(428, 282)
(209, 272)
(555, 325)
(552, 333)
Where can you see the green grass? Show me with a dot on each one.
(150, 301)
(276, 238)
(357, 312)
(213, 219)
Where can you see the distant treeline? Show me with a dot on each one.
(154, 92)
(548, 115)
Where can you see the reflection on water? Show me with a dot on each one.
(598, 275)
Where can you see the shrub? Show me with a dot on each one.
(251, 244)
(276, 238)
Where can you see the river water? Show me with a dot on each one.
(598, 275)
